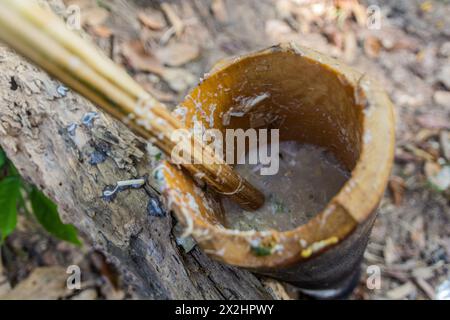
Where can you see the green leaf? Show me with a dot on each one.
(2, 158)
(47, 214)
(12, 171)
(261, 251)
(9, 195)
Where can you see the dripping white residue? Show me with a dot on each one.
(212, 109)
(367, 137)
(278, 248)
(135, 183)
(303, 243)
(249, 103)
(202, 235)
(161, 121)
(327, 212)
(180, 113)
(144, 123)
(199, 175)
(155, 154)
(255, 242)
(226, 117)
(245, 104)
(220, 252)
(192, 203)
(296, 49)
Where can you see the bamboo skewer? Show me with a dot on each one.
(40, 36)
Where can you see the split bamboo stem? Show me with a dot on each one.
(44, 39)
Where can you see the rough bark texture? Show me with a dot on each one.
(35, 115)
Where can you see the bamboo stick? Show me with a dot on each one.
(40, 36)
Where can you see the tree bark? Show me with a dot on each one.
(37, 121)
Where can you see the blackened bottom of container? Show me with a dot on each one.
(334, 273)
(340, 291)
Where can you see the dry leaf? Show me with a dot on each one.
(350, 47)
(178, 79)
(402, 292)
(419, 153)
(138, 59)
(94, 16)
(397, 187)
(390, 252)
(392, 38)
(334, 37)
(423, 272)
(372, 46)
(47, 283)
(173, 18)
(277, 28)
(432, 121)
(426, 288)
(82, 4)
(101, 31)
(148, 83)
(89, 294)
(153, 22)
(360, 13)
(425, 134)
(443, 75)
(219, 10)
(177, 54)
(431, 168)
(417, 232)
(444, 140)
(158, 94)
(442, 98)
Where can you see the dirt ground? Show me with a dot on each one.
(168, 48)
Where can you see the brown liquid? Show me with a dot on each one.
(308, 177)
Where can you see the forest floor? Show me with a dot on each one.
(168, 48)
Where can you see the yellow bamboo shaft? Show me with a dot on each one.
(44, 39)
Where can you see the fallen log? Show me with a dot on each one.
(73, 153)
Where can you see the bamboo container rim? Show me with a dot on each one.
(350, 207)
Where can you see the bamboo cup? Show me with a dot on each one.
(319, 101)
(43, 38)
